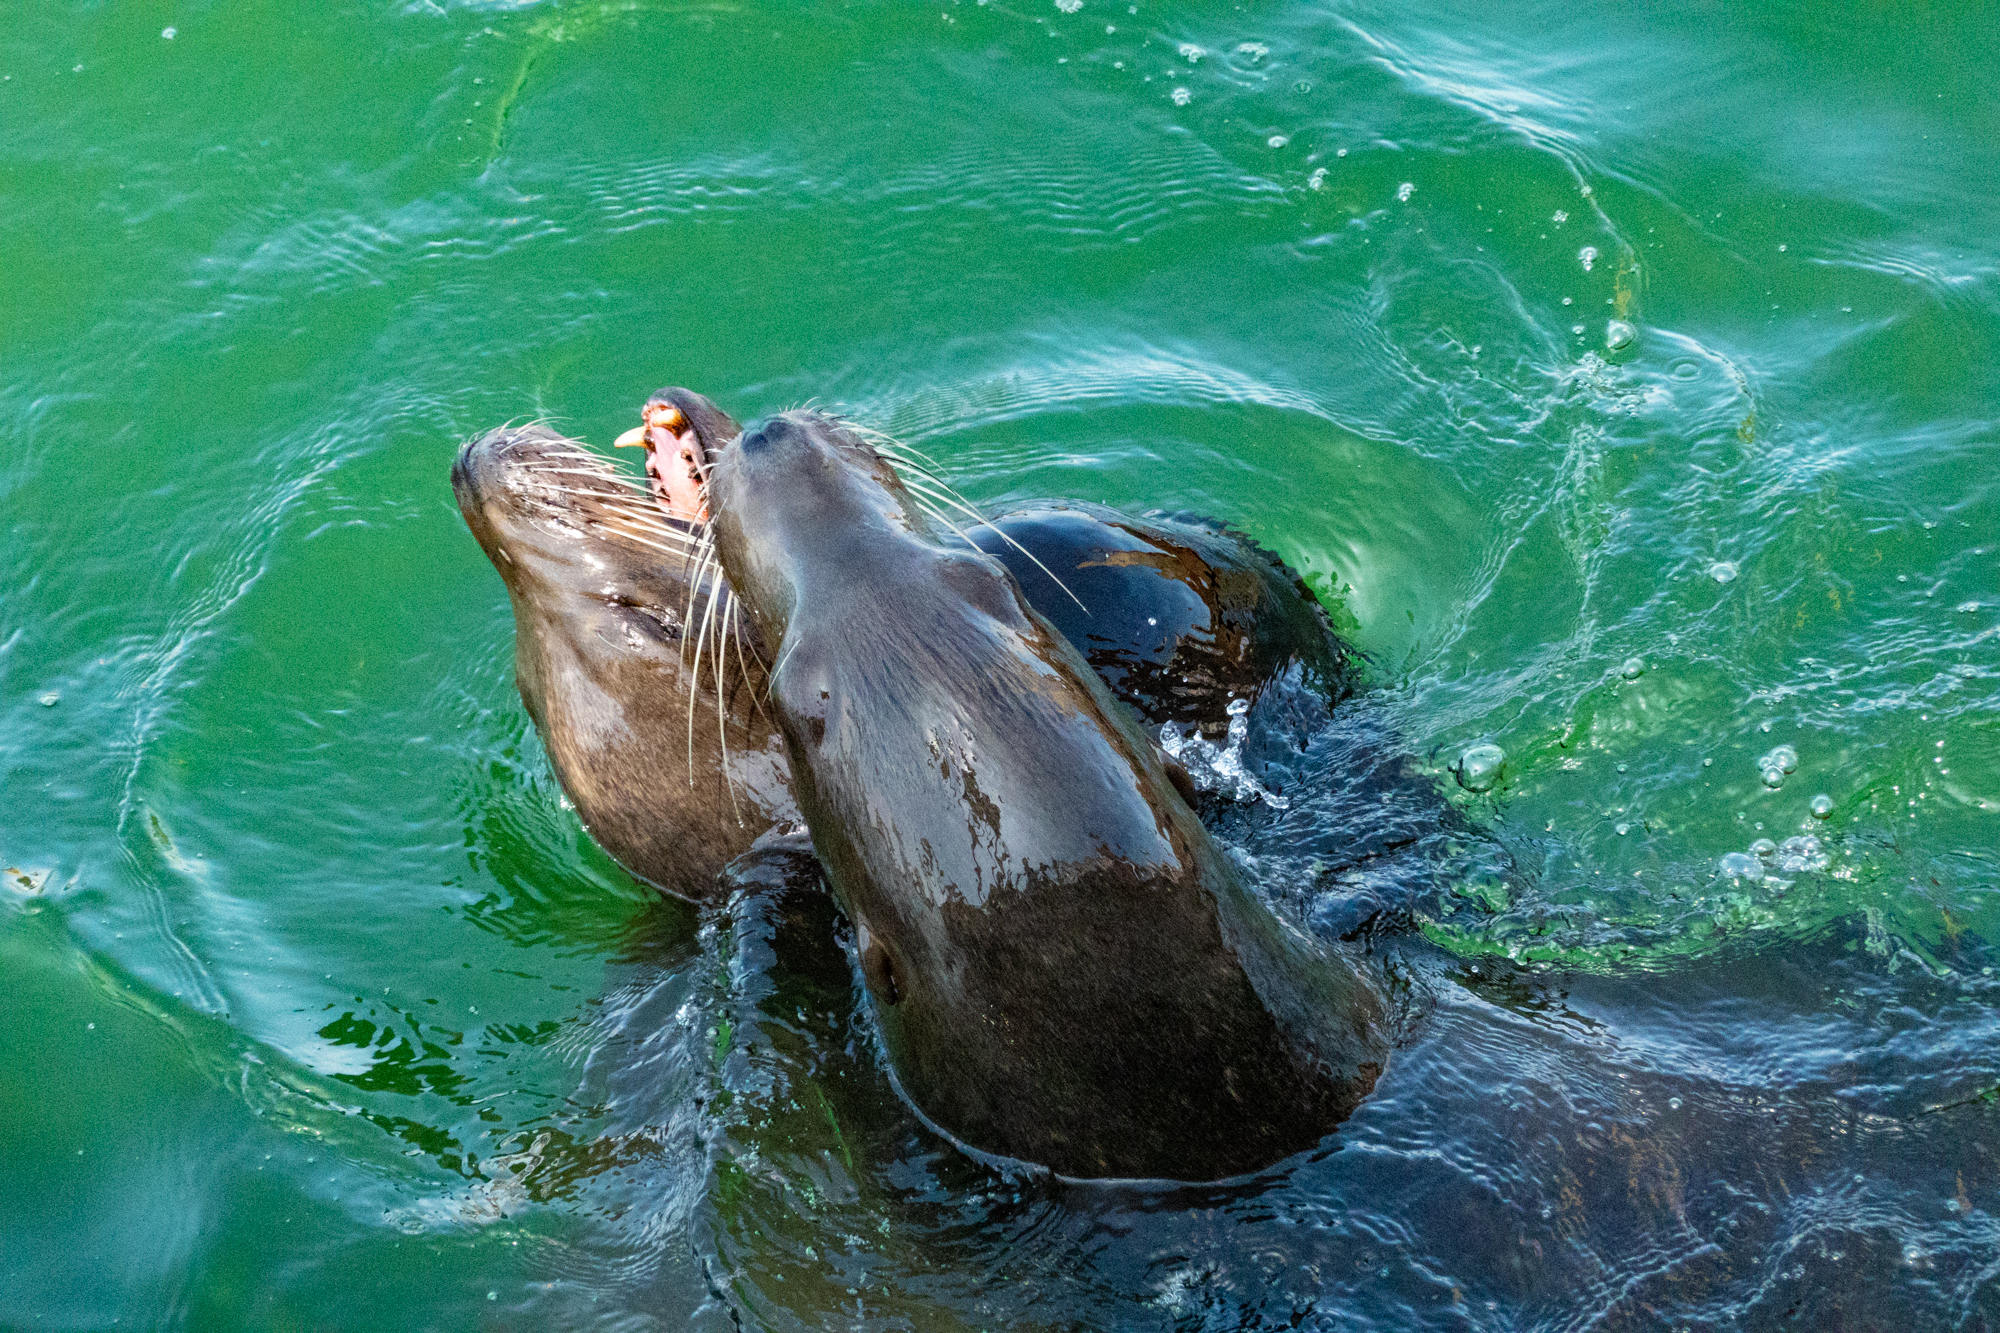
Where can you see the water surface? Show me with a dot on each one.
(1624, 382)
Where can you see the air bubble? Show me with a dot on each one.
(1779, 761)
(1673, 1103)
(1821, 806)
(1191, 53)
(168, 33)
(1587, 257)
(1478, 768)
(1405, 190)
(1317, 181)
(1278, 140)
(1069, 6)
(1741, 865)
(1764, 848)
(1619, 335)
(1722, 571)
(1803, 852)
(1181, 96)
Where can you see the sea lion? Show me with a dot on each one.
(629, 659)
(1178, 615)
(1064, 965)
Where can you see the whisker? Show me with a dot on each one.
(601, 473)
(641, 541)
(952, 497)
(743, 660)
(583, 490)
(639, 523)
(694, 683)
(721, 714)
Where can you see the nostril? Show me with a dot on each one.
(754, 443)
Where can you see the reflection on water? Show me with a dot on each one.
(1621, 380)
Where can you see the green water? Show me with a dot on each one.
(321, 1012)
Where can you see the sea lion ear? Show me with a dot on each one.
(983, 582)
(801, 683)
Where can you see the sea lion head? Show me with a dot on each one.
(623, 629)
(1064, 967)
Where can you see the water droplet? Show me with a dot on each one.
(167, 33)
(1618, 335)
(1405, 190)
(1722, 571)
(1634, 668)
(1624, 829)
(1278, 140)
(50, 700)
(1478, 768)
(1181, 96)
(1673, 1103)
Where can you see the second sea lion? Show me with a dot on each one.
(1065, 967)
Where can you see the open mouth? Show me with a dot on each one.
(676, 462)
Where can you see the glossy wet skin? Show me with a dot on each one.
(606, 615)
(1180, 617)
(1064, 967)
(1178, 614)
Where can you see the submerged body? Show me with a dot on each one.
(1065, 967)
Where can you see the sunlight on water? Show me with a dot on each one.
(1621, 381)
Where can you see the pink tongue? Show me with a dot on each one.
(670, 467)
